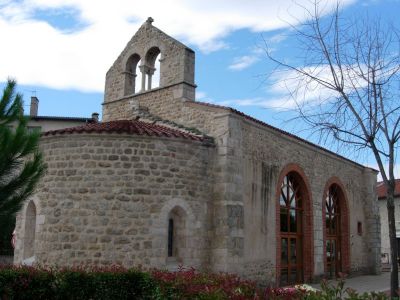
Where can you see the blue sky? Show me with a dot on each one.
(61, 49)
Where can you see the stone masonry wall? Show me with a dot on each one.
(259, 154)
(161, 102)
(176, 63)
(171, 104)
(248, 162)
(105, 199)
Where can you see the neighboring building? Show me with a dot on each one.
(165, 180)
(382, 193)
(42, 124)
(47, 123)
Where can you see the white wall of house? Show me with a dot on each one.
(385, 244)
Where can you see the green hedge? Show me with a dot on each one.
(78, 283)
(119, 283)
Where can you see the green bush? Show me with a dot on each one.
(115, 283)
(26, 283)
(76, 283)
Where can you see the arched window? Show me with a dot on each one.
(30, 229)
(151, 70)
(335, 228)
(138, 78)
(177, 233)
(156, 76)
(131, 78)
(291, 230)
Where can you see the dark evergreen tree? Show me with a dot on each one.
(21, 163)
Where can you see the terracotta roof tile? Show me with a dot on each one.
(127, 126)
(381, 189)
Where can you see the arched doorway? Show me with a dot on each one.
(294, 232)
(336, 231)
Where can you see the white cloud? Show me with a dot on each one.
(200, 95)
(257, 101)
(36, 53)
(277, 38)
(290, 89)
(243, 62)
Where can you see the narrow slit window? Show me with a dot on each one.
(359, 228)
(170, 237)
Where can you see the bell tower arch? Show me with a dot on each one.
(154, 71)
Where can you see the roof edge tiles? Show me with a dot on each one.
(247, 117)
(133, 127)
(382, 191)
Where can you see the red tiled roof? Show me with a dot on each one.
(237, 112)
(127, 126)
(381, 189)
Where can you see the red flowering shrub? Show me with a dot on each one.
(116, 282)
(119, 283)
(189, 284)
(284, 293)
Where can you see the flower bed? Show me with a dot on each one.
(120, 283)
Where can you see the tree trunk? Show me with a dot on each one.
(394, 275)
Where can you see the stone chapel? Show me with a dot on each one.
(164, 180)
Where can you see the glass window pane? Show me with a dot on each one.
(284, 220)
(328, 251)
(284, 251)
(333, 230)
(293, 276)
(284, 277)
(282, 200)
(299, 221)
(328, 224)
(293, 221)
(333, 225)
(293, 251)
(292, 198)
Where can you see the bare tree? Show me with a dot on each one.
(354, 65)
